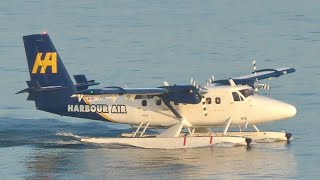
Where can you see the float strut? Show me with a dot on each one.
(255, 127)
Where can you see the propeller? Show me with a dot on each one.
(263, 86)
(194, 84)
(258, 86)
(254, 68)
(202, 91)
(210, 80)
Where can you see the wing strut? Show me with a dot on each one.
(174, 131)
(175, 112)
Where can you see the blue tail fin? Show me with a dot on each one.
(45, 65)
(50, 84)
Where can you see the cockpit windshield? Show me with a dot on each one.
(247, 92)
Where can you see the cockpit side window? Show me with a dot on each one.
(236, 96)
(247, 92)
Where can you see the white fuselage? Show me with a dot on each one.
(220, 104)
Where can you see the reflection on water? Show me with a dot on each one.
(263, 161)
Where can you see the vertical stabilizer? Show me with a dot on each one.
(50, 85)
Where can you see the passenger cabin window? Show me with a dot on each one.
(247, 92)
(143, 97)
(208, 100)
(158, 102)
(218, 100)
(144, 102)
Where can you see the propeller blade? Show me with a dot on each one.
(254, 68)
(202, 90)
(267, 87)
(263, 86)
(210, 80)
(193, 82)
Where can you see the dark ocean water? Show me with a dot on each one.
(142, 44)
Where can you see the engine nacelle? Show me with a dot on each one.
(182, 94)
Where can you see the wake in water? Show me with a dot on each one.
(69, 134)
(50, 132)
(224, 145)
(267, 140)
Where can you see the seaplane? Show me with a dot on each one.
(164, 117)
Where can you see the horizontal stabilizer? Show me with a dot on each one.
(83, 83)
(80, 78)
(34, 86)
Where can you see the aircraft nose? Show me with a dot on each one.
(283, 110)
(268, 109)
(290, 110)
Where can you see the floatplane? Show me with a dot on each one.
(183, 114)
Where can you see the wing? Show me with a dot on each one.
(114, 90)
(250, 79)
(186, 94)
(178, 93)
(266, 73)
